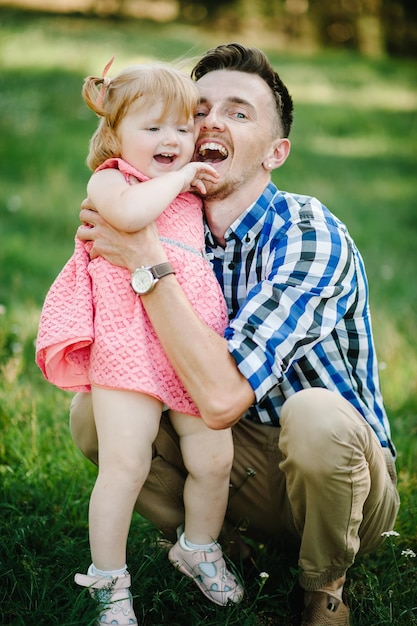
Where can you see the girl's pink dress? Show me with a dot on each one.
(93, 328)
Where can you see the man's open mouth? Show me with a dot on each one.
(211, 152)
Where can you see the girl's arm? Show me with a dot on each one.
(131, 207)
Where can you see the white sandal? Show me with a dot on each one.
(114, 598)
(220, 586)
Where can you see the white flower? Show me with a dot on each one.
(390, 533)
(266, 575)
(409, 554)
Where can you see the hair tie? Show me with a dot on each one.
(105, 82)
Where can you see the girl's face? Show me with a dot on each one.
(152, 146)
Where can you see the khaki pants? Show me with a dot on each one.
(321, 477)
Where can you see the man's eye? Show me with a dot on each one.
(240, 115)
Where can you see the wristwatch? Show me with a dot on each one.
(144, 279)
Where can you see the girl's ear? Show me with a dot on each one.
(278, 154)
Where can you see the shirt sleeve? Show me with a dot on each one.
(308, 284)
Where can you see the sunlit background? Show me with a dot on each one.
(351, 67)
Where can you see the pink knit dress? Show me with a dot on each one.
(93, 328)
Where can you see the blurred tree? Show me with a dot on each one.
(373, 27)
(399, 18)
(207, 9)
(113, 8)
(354, 24)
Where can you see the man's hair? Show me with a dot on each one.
(234, 56)
(139, 86)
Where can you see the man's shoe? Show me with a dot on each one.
(324, 609)
(209, 572)
(114, 598)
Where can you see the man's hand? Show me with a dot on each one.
(130, 250)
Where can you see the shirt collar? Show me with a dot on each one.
(249, 223)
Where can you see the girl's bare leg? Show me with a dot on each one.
(208, 456)
(127, 424)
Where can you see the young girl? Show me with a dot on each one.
(94, 332)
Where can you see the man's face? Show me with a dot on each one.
(237, 124)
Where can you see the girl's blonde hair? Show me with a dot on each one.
(142, 85)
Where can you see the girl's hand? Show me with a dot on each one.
(195, 173)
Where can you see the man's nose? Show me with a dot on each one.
(213, 120)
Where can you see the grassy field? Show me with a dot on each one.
(354, 146)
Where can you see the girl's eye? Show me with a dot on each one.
(154, 128)
(200, 114)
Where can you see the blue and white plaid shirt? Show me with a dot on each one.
(297, 294)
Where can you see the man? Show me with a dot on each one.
(296, 373)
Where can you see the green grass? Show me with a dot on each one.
(354, 146)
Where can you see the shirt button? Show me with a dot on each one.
(231, 266)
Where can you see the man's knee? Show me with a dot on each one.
(318, 427)
(313, 401)
(317, 412)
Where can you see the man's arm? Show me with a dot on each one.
(198, 354)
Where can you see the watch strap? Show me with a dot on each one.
(161, 270)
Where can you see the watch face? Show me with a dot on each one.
(142, 281)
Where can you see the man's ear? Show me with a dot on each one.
(278, 154)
